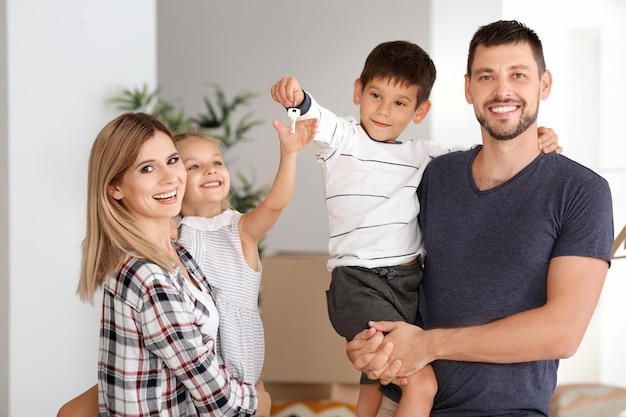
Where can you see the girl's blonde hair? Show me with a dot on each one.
(112, 234)
(179, 137)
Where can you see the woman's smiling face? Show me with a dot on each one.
(153, 187)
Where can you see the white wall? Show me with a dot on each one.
(4, 221)
(65, 58)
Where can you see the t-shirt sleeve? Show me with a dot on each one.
(587, 228)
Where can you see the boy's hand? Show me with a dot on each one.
(293, 142)
(287, 91)
(548, 140)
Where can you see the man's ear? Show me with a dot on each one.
(421, 112)
(114, 191)
(468, 96)
(358, 91)
(546, 85)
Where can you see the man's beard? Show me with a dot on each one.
(500, 134)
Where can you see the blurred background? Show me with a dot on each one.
(62, 61)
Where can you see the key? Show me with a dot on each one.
(293, 113)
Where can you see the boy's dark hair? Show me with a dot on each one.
(504, 32)
(403, 62)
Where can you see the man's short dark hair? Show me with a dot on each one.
(504, 32)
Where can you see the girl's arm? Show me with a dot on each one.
(257, 222)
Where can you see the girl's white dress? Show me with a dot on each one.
(214, 243)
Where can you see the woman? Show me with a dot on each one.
(159, 324)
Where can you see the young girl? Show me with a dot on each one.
(224, 241)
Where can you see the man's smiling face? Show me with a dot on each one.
(505, 88)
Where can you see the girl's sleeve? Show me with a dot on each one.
(170, 331)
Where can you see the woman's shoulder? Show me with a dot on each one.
(138, 277)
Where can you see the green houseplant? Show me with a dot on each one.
(219, 120)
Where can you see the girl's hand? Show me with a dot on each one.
(293, 142)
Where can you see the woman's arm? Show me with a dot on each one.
(170, 331)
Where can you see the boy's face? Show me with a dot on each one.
(387, 107)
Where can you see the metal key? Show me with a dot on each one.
(293, 113)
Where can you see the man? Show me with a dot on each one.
(518, 246)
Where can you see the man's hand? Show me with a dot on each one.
(369, 353)
(390, 351)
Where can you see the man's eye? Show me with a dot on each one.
(519, 76)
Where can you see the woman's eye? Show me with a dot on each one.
(173, 160)
(147, 168)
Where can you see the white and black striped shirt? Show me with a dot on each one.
(370, 189)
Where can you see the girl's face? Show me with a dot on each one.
(208, 180)
(152, 188)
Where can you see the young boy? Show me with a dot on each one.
(370, 182)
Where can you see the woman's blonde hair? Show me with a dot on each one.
(179, 137)
(112, 234)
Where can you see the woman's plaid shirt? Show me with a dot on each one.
(154, 360)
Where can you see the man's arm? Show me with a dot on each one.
(553, 331)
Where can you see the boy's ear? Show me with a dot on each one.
(421, 112)
(114, 191)
(358, 91)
